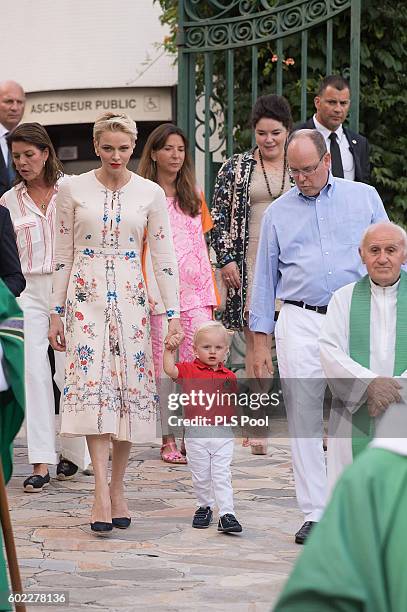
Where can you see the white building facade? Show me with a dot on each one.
(79, 58)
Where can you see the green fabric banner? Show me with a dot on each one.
(12, 401)
(359, 349)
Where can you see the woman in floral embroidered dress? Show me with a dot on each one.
(245, 186)
(167, 161)
(98, 285)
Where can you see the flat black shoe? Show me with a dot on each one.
(35, 483)
(122, 522)
(101, 527)
(304, 532)
(202, 518)
(228, 523)
(66, 469)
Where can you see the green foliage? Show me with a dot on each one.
(383, 85)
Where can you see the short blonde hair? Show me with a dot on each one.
(115, 122)
(212, 325)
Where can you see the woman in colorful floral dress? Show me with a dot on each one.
(167, 161)
(245, 186)
(110, 393)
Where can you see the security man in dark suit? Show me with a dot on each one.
(349, 151)
(12, 102)
(10, 267)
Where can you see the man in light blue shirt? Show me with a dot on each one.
(308, 249)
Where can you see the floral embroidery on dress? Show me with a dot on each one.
(60, 310)
(160, 234)
(138, 333)
(139, 364)
(168, 271)
(89, 331)
(69, 319)
(59, 266)
(92, 383)
(111, 296)
(130, 255)
(114, 347)
(109, 382)
(85, 354)
(113, 340)
(63, 229)
(135, 293)
(85, 291)
(112, 203)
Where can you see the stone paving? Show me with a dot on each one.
(160, 562)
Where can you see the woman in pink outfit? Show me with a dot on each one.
(166, 160)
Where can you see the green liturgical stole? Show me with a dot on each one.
(359, 349)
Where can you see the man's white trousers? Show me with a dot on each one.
(303, 384)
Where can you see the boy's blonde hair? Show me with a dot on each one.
(212, 325)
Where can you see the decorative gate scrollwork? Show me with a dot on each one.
(226, 27)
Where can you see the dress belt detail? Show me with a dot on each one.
(107, 252)
(319, 309)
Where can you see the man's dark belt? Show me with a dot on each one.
(319, 309)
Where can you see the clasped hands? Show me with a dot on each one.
(175, 335)
(56, 336)
(382, 392)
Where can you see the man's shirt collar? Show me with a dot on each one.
(376, 288)
(326, 132)
(327, 190)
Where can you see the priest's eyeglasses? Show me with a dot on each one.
(306, 171)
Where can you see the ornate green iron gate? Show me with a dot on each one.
(210, 27)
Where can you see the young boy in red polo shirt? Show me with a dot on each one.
(209, 439)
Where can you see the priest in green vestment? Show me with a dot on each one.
(363, 346)
(11, 393)
(355, 559)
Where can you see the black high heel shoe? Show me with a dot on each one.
(101, 527)
(122, 522)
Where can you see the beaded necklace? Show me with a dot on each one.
(266, 179)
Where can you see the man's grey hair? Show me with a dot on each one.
(313, 135)
(5, 84)
(371, 228)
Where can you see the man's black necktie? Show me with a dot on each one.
(336, 160)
